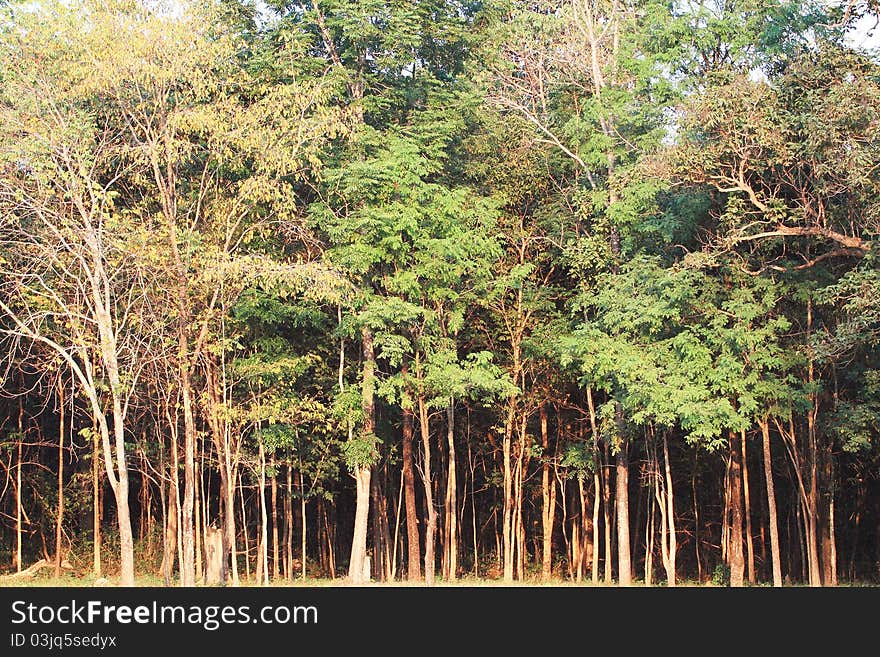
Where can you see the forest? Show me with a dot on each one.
(435, 291)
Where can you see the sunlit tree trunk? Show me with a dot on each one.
(548, 496)
(624, 558)
(414, 571)
(771, 504)
(735, 547)
(362, 472)
(276, 553)
(750, 547)
(59, 516)
(431, 523)
(96, 507)
(450, 502)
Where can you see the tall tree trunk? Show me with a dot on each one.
(624, 558)
(329, 530)
(450, 502)
(244, 530)
(597, 486)
(187, 567)
(472, 469)
(304, 525)
(725, 520)
(549, 503)
(229, 509)
(429, 495)
(826, 515)
(670, 538)
(276, 553)
(263, 554)
(199, 517)
(735, 547)
(59, 516)
(18, 507)
(414, 570)
(771, 504)
(606, 510)
(288, 524)
(119, 484)
(584, 552)
(507, 488)
(650, 531)
(750, 547)
(96, 506)
(397, 540)
(362, 471)
(812, 510)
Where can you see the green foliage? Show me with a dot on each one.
(577, 459)
(360, 451)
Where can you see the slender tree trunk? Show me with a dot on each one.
(187, 565)
(362, 471)
(60, 513)
(198, 517)
(429, 495)
(725, 521)
(582, 528)
(119, 485)
(244, 530)
(696, 520)
(735, 548)
(18, 508)
(331, 542)
(276, 553)
(828, 548)
(451, 500)
(650, 531)
(624, 557)
(548, 504)
(414, 570)
(96, 507)
(397, 540)
(229, 508)
(288, 524)
(597, 486)
(472, 468)
(671, 537)
(812, 510)
(606, 510)
(263, 554)
(304, 525)
(507, 487)
(750, 547)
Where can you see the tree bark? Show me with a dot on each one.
(549, 501)
(606, 510)
(671, 540)
(276, 553)
(263, 548)
(60, 512)
(18, 508)
(288, 523)
(735, 547)
(750, 547)
(96, 508)
(624, 557)
(450, 502)
(771, 504)
(362, 471)
(429, 495)
(414, 570)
